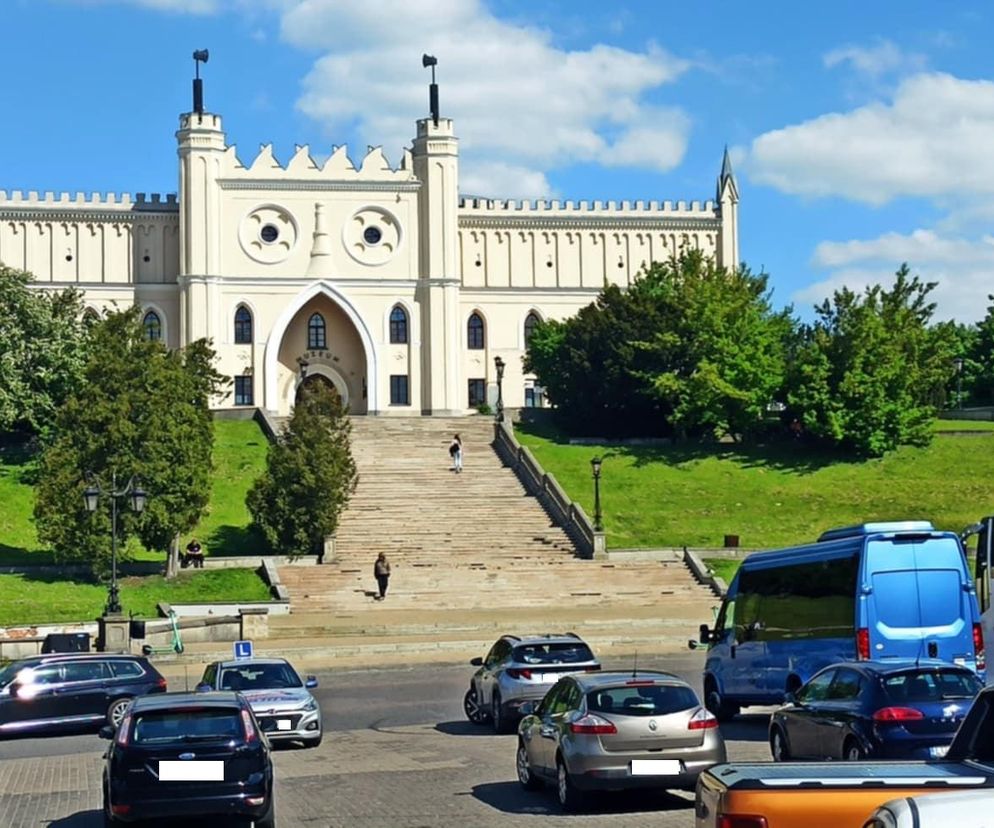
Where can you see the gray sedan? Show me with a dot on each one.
(282, 703)
(612, 731)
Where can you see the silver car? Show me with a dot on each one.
(282, 703)
(613, 731)
(519, 669)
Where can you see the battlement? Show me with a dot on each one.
(153, 202)
(489, 207)
(302, 166)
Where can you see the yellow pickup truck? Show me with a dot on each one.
(843, 794)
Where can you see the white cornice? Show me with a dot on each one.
(43, 215)
(299, 185)
(586, 223)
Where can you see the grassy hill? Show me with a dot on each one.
(693, 495)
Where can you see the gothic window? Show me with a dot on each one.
(530, 322)
(474, 333)
(153, 326)
(243, 326)
(316, 339)
(398, 326)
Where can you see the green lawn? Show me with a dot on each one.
(239, 457)
(30, 599)
(724, 568)
(693, 495)
(963, 425)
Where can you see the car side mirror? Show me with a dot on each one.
(106, 732)
(203, 687)
(476, 662)
(789, 697)
(527, 709)
(311, 682)
(693, 644)
(706, 635)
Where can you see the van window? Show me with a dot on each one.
(909, 599)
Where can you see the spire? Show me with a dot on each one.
(321, 264)
(726, 179)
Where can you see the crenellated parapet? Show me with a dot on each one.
(113, 205)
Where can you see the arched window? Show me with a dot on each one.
(474, 333)
(90, 318)
(243, 326)
(531, 321)
(153, 326)
(398, 326)
(316, 332)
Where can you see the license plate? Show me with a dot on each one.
(655, 767)
(282, 724)
(938, 752)
(191, 771)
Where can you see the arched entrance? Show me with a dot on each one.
(319, 377)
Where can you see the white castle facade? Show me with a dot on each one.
(379, 281)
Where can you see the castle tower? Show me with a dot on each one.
(201, 148)
(728, 201)
(436, 164)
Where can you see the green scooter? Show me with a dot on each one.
(177, 643)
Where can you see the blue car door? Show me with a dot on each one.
(804, 720)
(839, 712)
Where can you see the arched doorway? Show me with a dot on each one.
(315, 380)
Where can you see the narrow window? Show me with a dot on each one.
(399, 393)
(243, 390)
(474, 333)
(153, 326)
(531, 321)
(398, 326)
(243, 326)
(316, 332)
(477, 392)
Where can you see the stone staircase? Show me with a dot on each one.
(470, 545)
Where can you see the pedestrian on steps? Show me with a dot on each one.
(455, 452)
(381, 570)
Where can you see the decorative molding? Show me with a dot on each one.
(533, 221)
(47, 214)
(299, 185)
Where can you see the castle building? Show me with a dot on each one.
(380, 281)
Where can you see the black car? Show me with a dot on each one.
(59, 691)
(877, 710)
(188, 755)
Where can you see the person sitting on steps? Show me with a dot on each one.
(194, 555)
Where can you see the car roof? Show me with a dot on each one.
(246, 662)
(165, 701)
(46, 657)
(545, 638)
(599, 680)
(900, 665)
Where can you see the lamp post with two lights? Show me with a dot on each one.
(499, 365)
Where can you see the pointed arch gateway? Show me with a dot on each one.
(348, 338)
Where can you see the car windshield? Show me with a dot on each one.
(565, 652)
(259, 677)
(195, 724)
(642, 699)
(8, 673)
(931, 685)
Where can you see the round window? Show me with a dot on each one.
(269, 233)
(372, 235)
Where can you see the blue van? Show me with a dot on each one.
(875, 591)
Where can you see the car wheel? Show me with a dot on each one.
(498, 717)
(778, 746)
(570, 797)
(852, 751)
(713, 701)
(471, 707)
(116, 711)
(528, 780)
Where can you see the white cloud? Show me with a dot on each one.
(931, 140)
(881, 59)
(498, 180)
(962, 268)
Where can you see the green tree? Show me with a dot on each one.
(43, 345)
(310, 476)
(870, 372)
(978, 369)
(141, 411)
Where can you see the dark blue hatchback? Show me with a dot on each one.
(877, 710)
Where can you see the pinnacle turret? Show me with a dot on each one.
(726, 180)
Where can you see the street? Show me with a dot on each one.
(397, 752)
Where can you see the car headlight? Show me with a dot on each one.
(311, 705)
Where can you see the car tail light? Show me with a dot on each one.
(639, 683)
(897, 714)
(250, 732)
(120, 810)
(517, 673)
(741, 821)
(161, 684)
(978, 646)
(593, 668)
(592, 724)
(122, 731)
(702, 720)
(863, 644)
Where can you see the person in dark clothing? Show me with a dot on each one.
(194, 554)
(455, 452)
(381, 569)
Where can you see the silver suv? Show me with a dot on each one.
(519, 669)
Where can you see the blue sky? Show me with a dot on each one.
(861, 134)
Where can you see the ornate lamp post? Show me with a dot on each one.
(958, 362)
(595, 467)
(499, 365)
(91, 496)
(303, 363)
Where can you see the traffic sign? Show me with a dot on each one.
(243, 649)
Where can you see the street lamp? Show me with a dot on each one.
(595, 467)
(499, 365)
(303, 363)
(958, 362)
(137, 497)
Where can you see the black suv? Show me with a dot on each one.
(50, 692)
(188, 755)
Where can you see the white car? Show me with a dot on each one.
(963, 809)
(283, 704)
